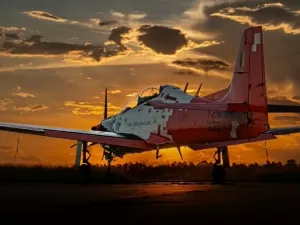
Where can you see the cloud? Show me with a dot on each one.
(34, 46)
(30, 108)
(11, 36)
(108, 23)
(154, 42)
(12, 29)
(90, 108)
(45, 16)
(4, 103)
(137, 16)
(113, 92)
(118, 14)
(116, 35)
(128, 17)
(23, 94)
(132, 94)
(182, 73)
(42, 15)
(203, 64)
(273, 16)
(162, 39)
(282, 100)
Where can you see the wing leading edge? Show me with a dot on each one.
(109, 138)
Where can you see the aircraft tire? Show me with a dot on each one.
(219, 174)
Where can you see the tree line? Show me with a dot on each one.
(140, 172)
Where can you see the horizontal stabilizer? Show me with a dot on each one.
(283, 108)
(263, 137)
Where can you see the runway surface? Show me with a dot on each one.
(162, 203)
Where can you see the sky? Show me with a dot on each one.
(57, 57)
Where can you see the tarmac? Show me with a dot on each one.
(158, 203)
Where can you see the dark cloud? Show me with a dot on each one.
(11, 36)
(108, 23)
(44, 15)
(281, 54)
(162, 39)
(35, 46)
(182, 73)
(297, 98)
(204, 64)
(35, 38)
(116, 35)
(273, 16)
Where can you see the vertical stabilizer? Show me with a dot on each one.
(248, 84)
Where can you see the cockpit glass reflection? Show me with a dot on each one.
(144, 95)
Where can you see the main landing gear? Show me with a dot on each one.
(109, 156)
(85, 167)
(219, 170)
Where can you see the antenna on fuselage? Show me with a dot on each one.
(186, 86)
(197, 93)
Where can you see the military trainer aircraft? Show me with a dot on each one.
(165, 116)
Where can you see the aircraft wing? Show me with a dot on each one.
(109, 138)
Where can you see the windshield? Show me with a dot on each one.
(144, 95)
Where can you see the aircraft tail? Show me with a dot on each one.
(248, 84)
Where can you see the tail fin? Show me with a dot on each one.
(248, 84)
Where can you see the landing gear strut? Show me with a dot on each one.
(85, 167)
(109, 156)
(219, 170)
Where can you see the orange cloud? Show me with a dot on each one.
(30, 108)
(4, 103)
(90, 108)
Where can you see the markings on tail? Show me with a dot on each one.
(257, 41)
(234, 126)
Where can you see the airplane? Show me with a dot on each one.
(165, 116)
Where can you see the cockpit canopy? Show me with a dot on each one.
(146, 94)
